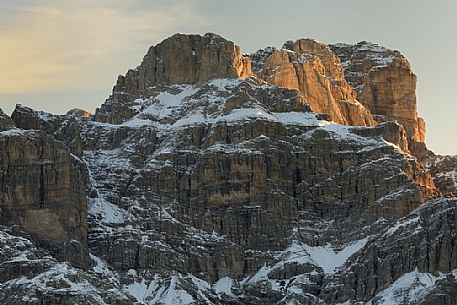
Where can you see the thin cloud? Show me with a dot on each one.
(64, 46)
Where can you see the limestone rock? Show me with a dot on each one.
(28, 119)
(385, 84)
(73, 252)
(315, 71)
(41, 189)
(180, 59)
(225, 191)
(30, 275)
(412, 250)
(239, 163)
(5, 121)
(444, 172)
(64, 128)
(81, 113)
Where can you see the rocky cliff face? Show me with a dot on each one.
(43, 191)
(227, 153)
(40, 189)
(5, 121)
(221, 189)
(315, 71)
(186, 59)
(385, 84)
(444, 172)
(64, 128)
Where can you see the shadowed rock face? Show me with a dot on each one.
(41, 188)
(64, 128)
(5, 121)
(315, 71)
(223, 191)
(444, 172)
(385, 84)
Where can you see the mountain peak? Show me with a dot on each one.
(195, 184)
(185, 59)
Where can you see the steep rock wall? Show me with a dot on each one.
(385, 84)
(315, 71)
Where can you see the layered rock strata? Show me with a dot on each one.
(315, 71)
(186, 59)
(231, 191)
(444, 172)
(41, 188)
(64, 128)
(385, 84)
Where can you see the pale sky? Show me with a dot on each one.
(58, 55)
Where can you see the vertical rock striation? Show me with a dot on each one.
(205, 186)
(385, 84)
(315, 71)
(42, 189)
(180, 59)
(5, 121)
(64, 128)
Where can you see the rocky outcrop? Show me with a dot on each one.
(80, 113)
(418, 249)
(41, 188)
(180, 59)
(30, 275)
(30, 119)
(385, 84)
(185, 59)
(444, 172)
(5, 121)
(238, 164)
(224, 191)
(315, 71)
(64, 128)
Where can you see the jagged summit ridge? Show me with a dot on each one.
(356, 85)
(385, 84)
(185, 59)
(315, 71)
(227, 190)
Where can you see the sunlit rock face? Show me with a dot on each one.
(180, 59)
(315, 71)
(186, 59)
(385, 84)
(220, 189)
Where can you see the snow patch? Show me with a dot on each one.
(401, 224)
(173, 295)
(12, 132)
(325, 257)
(142, 290)
(411, 286)
(108, 212)
(330, 260)
(224, 286)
